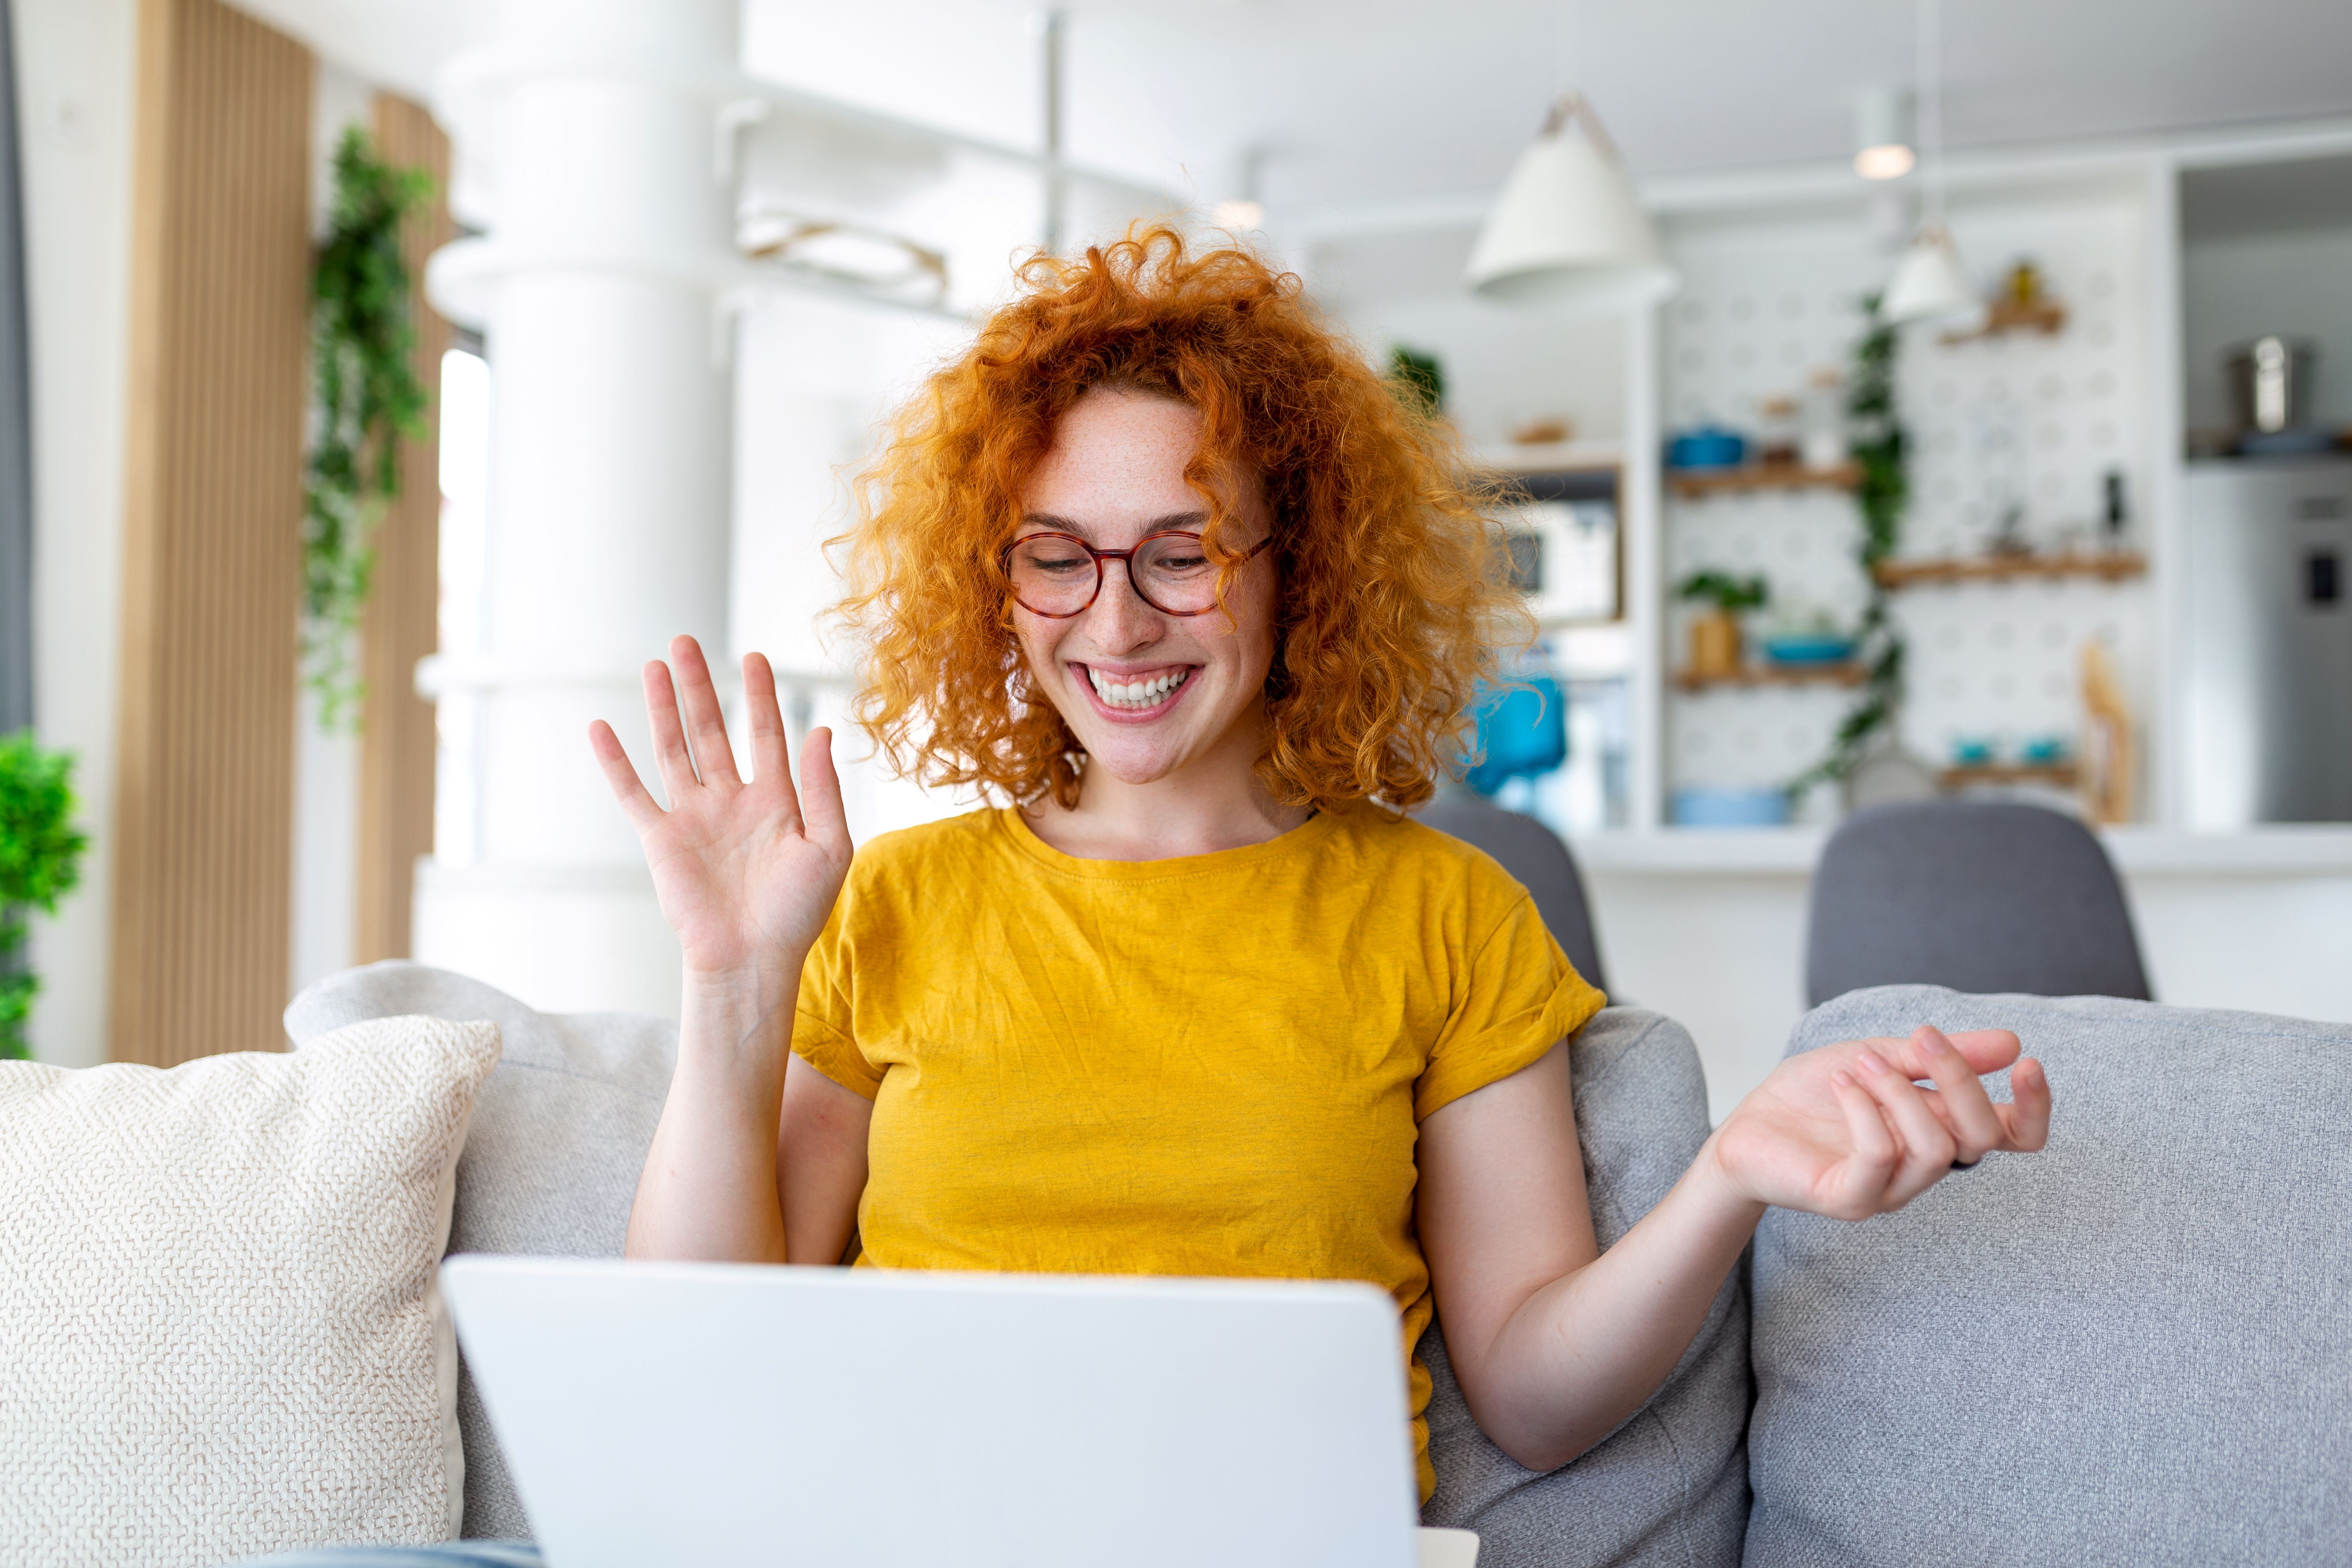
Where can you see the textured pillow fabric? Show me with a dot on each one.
(2134, 1346)
(1670, 1485)
(561, 1130)
(219, 1331)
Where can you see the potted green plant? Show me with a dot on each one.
(1715, 636)
(40, 860)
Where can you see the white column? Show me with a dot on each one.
(598, 289)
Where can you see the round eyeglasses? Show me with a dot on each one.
(1057, 575)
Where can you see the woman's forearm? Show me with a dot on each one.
(1588, 1350)
(709, 1191)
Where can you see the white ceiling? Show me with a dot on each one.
(1364, 100)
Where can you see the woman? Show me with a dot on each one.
(1161, 565)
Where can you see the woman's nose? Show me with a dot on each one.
(1119, 620)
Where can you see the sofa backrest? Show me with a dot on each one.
(2134, 1346)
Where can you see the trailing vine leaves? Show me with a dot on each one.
(40, 861)
(1878, 447)
(367, 397)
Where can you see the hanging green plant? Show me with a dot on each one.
(1879, 447)
(40, 861)
(366, 398)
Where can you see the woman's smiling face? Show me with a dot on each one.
(1145, 692)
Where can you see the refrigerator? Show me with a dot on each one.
(2268, 649)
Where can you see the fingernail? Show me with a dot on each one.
(1928, 1040)
(1870, 1062)
(1845, 1078)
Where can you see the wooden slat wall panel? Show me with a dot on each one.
(397, 744)
(220, 281)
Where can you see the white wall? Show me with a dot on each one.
(2233, 289)
(75, 70)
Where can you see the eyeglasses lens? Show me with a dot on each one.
(1055, 576)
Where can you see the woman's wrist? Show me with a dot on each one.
(1717, 1187)
(740, 1012)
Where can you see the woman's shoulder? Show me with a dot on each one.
(1406, 849)
(950, 840)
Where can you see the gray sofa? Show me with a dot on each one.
(2136, 1347)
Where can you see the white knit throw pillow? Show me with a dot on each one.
(220, 1333)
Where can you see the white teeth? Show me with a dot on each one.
(1136, 693)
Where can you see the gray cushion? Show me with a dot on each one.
(2133, 1347)
(1669, 1486)
(551, 1164)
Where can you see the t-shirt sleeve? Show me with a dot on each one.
(823, 1032)
(1520, 998)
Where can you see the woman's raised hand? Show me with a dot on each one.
(747, 871)
(1849, 1130)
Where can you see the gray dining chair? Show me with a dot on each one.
(1535, 855)
(1980, 897)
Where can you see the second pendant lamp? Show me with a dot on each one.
(1930, 282)
(1567, 227)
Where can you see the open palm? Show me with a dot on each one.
(747, 871)
(1848, 1131)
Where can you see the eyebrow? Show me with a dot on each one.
(1174, 520)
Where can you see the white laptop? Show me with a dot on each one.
(701, 1414)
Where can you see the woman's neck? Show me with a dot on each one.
(1214, 802)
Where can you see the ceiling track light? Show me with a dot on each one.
(1568, 228)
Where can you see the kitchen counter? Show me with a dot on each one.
(2281, 850)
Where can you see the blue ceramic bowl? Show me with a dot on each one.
(1709, 447)
(1818, 648)
(1730, 807)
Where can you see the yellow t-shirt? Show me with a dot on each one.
(1208, 1065)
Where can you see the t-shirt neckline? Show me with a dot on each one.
(1306, 835)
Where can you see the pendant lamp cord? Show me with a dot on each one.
(1927, 44)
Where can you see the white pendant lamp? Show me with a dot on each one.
(1568, 228)
(1930, 282)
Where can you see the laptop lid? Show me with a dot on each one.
(693, 1414)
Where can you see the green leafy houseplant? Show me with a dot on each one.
(1879, 447)
(362, 339)
(1418, 378)
(40, 860)
(1726, 592)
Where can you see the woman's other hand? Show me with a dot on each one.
(747, 871)
(1853, 1129)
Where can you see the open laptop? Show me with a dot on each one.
(701, 1414)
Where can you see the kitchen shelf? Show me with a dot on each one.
(2062, 775)
(1691, 484)
(2108, 566)
(1839, 674)
(2003, 316)
(1549, 457)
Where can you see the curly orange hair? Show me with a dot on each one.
(1392, 599)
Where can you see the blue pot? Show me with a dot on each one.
(1730, 807)
(1709, 447)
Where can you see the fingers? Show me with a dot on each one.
(637, 801)
(765, 719)
(1928, 1147)
(706, 723)
(1961, 1103)
(1864, 1174)
(670, 758)
(2028, 1116)
(821, 816)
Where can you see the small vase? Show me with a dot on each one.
(1715, 645)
